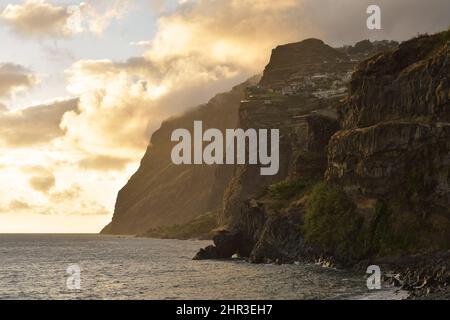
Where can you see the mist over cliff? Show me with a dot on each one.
(161, 193)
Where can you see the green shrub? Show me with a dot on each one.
(398, 229)
(287, 189)
(332, 222)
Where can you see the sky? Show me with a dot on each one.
(83, 85)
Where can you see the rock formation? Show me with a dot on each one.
(387, 174)
(306, 120)
(394, 145)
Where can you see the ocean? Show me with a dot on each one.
(35, 267)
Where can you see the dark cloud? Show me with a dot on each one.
(344, 21)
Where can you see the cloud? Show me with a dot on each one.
(42, 183)
(18, 205)
(245, 31)
(121, 103)
(15, 78)
(68, 194)
(34, 125)
(344, 22)
(80, 208)
(43, 180)
(40, 18)
(98, 14)
(37, 18)
(15, 206)
(91, 208)
(140, 43)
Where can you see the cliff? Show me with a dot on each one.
(163, 194)
(383, 189)
(257, 219)
(392, 155)
(293, 61)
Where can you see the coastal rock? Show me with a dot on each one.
(226, 244)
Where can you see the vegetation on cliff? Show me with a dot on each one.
(199, 228)
(331, 221)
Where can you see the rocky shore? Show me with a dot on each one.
(423, 276)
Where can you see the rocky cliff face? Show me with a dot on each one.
(386, 188)
(300, 101)
(394, 146)
(161, 193)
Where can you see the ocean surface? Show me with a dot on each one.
(35, 267)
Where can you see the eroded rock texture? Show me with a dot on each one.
(395, 125)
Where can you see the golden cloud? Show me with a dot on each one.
(37, 18)
(34, 125)
(42, 180)
(40, 18)
(199, 50)
(69, 194)
(18, 205)
(15, 206)
(121, 103)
